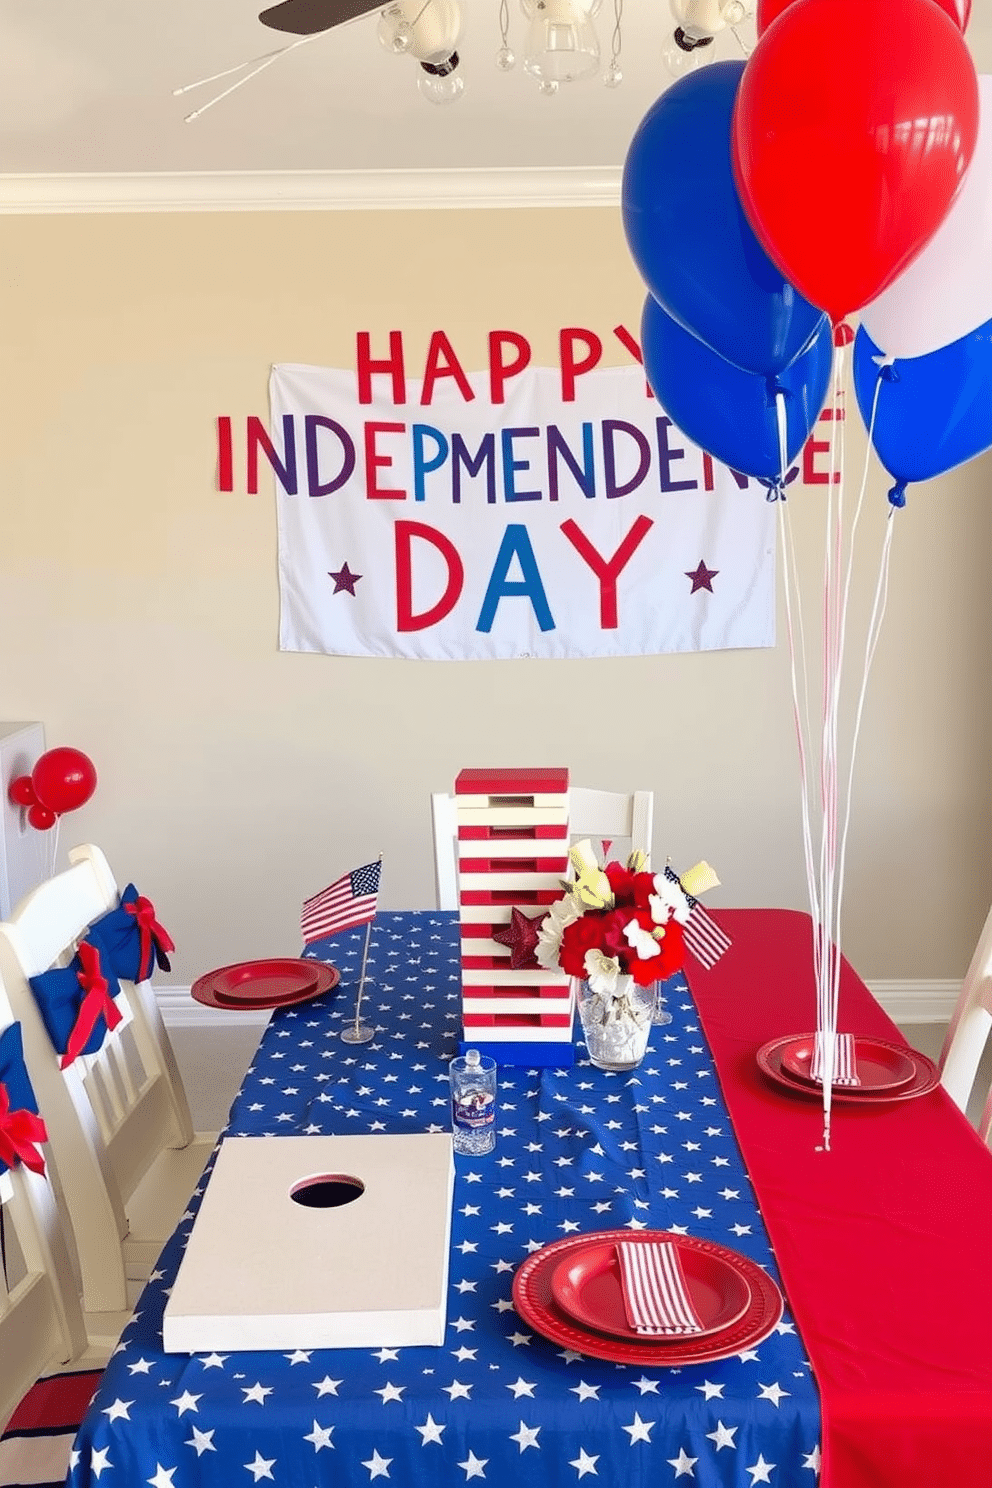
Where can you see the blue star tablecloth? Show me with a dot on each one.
(577, 1149)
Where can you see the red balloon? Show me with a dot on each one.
(41, 817)
(958, 10)
(63, 779)
(853, 127)
(21, 791)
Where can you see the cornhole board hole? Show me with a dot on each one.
(317, 1242)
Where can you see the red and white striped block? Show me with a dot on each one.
(512, 854)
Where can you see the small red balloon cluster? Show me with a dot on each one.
(62, 780)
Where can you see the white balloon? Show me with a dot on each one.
(946, 292)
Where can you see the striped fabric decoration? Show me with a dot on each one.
(654, 1289)
(34, 1449)
(845, 1060)
(701, 934)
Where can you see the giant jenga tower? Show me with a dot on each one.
(512, 856)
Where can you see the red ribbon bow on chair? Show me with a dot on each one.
(96, 1003)
(19, 1132)
(150, 930)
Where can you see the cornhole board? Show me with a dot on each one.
(262, 1270)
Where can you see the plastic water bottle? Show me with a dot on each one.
(473, 1103)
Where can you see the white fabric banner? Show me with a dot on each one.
(464, 530)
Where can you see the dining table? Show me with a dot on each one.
(873, 1371)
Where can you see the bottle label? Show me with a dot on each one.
(473, 1108)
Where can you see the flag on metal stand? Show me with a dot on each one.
(349, 901)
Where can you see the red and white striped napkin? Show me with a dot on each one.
(655, 1294)
(845, 1060)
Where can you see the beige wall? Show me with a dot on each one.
(140, 605)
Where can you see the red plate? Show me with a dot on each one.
(880, 1066)
(588, 1287)
(926, 1077)
(534, 1301)
(264, 984)
(264, 981)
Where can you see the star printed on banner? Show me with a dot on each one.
(430, 1431)
(521, 1386)
(299, 1356)
(344, 580)
(639, 1430)
(464, 1355)
(384, 1355)
(521, 936)
(526, 1437)
(708, 1390)
(378, 1466)
(457, 1391)
(140, 1366)
(261, 1467)
(202, 1441)
(683, 1464)
(584, 1464)
(99, 1460)
(186, 1402)
(773, 1392)
(474, 1467)
(723, 1435)
(812, 1459)
(320, 1436)
(701, 576)
(584, 1391)
(761, 1471)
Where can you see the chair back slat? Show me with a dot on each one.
(968, 1031)
(41, 1322)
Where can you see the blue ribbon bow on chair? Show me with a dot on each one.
(21, 1128)
(77, 1003)
(133, 939)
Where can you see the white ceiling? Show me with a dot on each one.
(87, 89)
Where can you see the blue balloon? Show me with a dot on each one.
(727, 412)
(933, 412)
(688, 235)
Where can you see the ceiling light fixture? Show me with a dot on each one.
(561, 45)
(697, 24)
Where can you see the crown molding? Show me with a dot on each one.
(308, 191)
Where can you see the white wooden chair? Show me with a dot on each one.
(126, 1156)
(41, 1323)
(623, 818)
(969, 1031)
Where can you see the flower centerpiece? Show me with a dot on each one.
(618, 931)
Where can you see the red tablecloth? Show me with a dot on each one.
(884, 1243)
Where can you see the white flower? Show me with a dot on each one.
(668, 902)
(601, 973)
(551, 929)
(640, 940)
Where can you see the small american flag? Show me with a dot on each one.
(701, 934)
(347, 902)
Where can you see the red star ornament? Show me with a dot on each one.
(521, 936)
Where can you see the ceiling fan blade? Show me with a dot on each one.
(308, 17)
